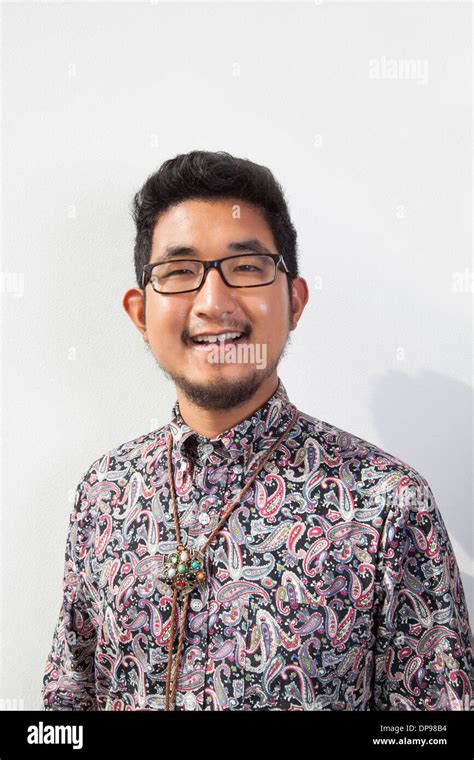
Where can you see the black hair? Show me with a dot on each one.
(212, 175)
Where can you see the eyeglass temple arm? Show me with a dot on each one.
(145, 276)
(282, 261)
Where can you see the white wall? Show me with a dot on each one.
(377, 172)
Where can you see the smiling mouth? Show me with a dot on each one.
(207, 345)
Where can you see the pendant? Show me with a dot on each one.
(184, 569)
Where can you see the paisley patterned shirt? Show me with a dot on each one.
(332, 586)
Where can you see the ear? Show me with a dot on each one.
(299, 299)
(134, 304)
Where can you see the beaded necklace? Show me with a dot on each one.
(184, 568)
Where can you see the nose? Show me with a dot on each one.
(214, 297)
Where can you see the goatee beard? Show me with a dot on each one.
(222, 394)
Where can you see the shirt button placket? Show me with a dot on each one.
(194, 700)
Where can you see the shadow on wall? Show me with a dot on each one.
(426, 421)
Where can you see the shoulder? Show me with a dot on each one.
(120, 462)
(361, 464)
(366, 485)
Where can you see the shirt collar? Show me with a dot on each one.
(256, 433)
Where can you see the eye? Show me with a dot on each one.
(176, 272)
(246, 267)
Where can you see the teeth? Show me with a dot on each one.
(217, 338)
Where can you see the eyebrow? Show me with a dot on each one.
(179, 251)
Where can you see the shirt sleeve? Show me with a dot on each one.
(423, 649)
(69, 674)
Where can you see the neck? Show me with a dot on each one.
(210, 423)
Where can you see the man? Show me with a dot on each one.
(247, 556)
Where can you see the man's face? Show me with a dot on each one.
(261, 313)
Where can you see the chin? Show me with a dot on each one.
(222, 392)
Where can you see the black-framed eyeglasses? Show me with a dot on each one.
(246, 270)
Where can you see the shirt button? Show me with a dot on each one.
(204, 518)
(196, 605)
(190, 702)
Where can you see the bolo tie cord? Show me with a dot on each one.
(170, 648)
